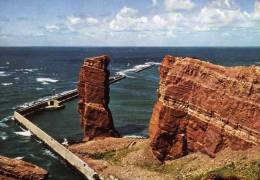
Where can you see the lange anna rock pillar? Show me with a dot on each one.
(93, 87)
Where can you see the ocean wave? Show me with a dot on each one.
(6, 84)
(7, 62)
(46, 81)
(49, 153)
(16, 78)
(19, 157)
(4, 74)
(24, 132)
(38, 89)
(3, 135)
(7, 118)
(65, 142)
(26, 70)
(3, 125)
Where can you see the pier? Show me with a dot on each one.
(56, 102)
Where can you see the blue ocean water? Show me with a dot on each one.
(27, 74)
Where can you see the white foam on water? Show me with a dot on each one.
(65, 142)
(3, 135)
(6, 84)
(24, 133)
(3, 125)
(26, 70)
(19, 157)
(16, 78)
(7, 118)
(49, 153)
(46, 81)
(38, 89)
(7, 62)
(4, 74)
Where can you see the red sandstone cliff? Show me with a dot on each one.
(12, 169)
(204, 107)
(93, 88)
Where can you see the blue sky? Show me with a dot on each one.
(130, 23)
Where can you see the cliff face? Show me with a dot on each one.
(11, 169)
(204, 107)
(93, 88)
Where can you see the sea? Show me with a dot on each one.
(29, 74)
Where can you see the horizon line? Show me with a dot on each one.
(132, 46)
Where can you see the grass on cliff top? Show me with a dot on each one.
(114, 157)
(247, 171)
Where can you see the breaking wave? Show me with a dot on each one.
(7, 118)
(3, 125)
(19, 157)
(45, 81)
(65, 142)
(24, 132)
(4, 74)
(49, 153)
(3, 135)
(6, 84)
(26, 70)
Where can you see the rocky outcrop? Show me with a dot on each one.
(93, 88)
(204, 107)
(11, 169)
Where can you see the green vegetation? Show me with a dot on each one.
(113, 157)
(247, 171)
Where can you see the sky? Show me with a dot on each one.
(130, 23)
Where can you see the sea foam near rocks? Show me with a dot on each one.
(45, 81)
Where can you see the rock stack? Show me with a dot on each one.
(93, 88)
(204, 107)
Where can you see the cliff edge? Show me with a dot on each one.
(204, 107)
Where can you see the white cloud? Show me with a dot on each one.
(229, 4)
(218, 14)
(39, 34)
(154, 2)
(128, 19)
(91, 21)
(52, 28)
(256, 13)
(173, 5)
(72, 20)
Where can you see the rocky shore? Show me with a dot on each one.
(13, 169)
(205, 124)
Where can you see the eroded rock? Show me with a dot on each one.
(11, 169)
(93, 88)
(204, 107)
